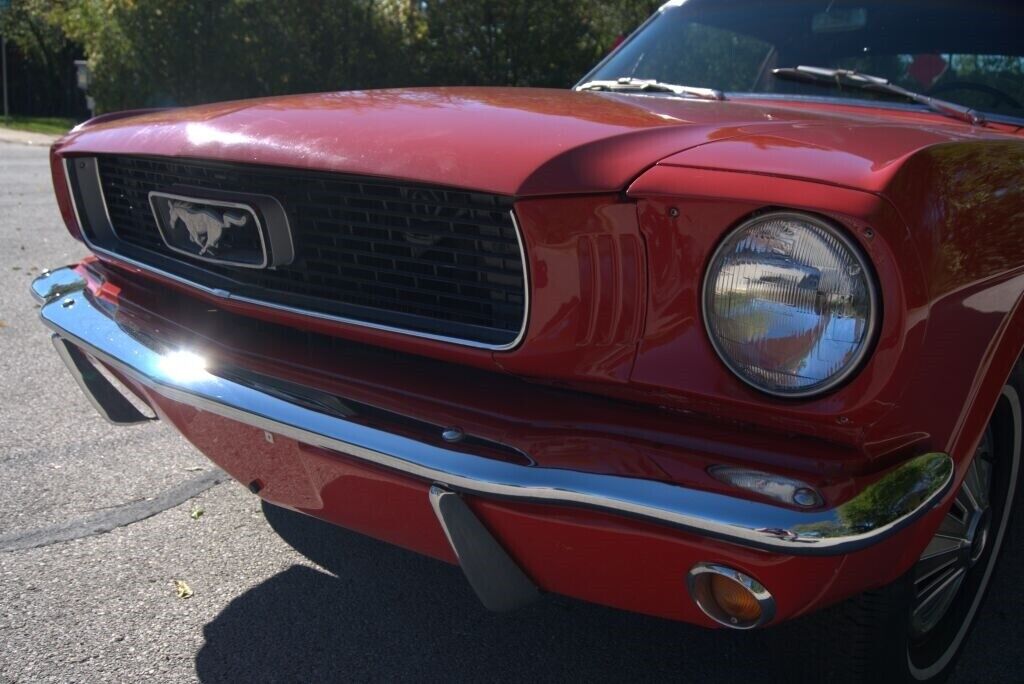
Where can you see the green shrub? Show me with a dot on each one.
(171, 52)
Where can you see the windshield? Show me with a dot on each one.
(970, 53)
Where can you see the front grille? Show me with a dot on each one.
(422, 259)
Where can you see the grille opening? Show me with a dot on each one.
(425, 260)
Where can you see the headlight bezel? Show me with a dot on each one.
(841, 234)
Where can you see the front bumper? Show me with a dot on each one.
(174, 378)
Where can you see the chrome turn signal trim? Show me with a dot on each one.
(698, 581)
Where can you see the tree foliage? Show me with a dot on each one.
(48, 55)
(162, 52)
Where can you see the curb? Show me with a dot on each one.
(10, 135)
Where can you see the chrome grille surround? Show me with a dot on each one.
(492, 282)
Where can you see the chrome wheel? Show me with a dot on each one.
(913, 629)
(957, 547)
(950, 578)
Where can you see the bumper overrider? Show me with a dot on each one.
(693, 533)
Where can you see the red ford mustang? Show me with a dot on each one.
(728, 333)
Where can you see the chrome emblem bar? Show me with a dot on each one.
(205, 226)
(197, 227)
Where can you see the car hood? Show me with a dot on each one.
(511, 141)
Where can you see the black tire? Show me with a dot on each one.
(872, 637)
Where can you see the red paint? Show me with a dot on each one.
(588, 272)
(521, 142)
(709, 203)
(60, 189)
(536, 142)
(615, 373)
(308, 479)
(595, 557)
(862, 153)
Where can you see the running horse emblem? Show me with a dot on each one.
(205, 227)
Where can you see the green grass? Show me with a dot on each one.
(51, 125)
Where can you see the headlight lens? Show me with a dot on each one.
(790, 304)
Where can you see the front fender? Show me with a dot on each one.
(950, 260)
(684, 212)
(965, 205)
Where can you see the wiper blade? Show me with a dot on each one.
(841, 78)
(652, 86)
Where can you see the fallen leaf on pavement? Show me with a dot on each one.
(182, 589)
(197, 512)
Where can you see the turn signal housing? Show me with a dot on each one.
(730, 597)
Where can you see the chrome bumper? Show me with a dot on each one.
(896, 500)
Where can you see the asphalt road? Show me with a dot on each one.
(86, 597)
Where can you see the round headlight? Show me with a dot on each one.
(790, 304)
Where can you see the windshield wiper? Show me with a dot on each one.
(652, 86)
(842, 78)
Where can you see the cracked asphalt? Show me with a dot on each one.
(86, 594)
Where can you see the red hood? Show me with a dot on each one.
(512, 141)
(853, 147)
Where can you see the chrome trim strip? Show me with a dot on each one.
(224, 294)
(74, 202)
(698, 582)
(103, 199)
(896, 500)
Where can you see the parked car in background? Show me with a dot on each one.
(728, 333)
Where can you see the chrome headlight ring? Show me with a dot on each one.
(786, 269)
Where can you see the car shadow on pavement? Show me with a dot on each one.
(389, 614)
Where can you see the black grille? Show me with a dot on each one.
(419, 258)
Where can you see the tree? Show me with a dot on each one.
(155, 52)
(31, 29)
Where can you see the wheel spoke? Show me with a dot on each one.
(967, 496)
(955, 525)
(976, 489)
(984, 450)
(940, 554)
(936, 599)
(984, 467)
(944, 565)
(940, 585)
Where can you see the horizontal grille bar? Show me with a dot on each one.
(426, 260)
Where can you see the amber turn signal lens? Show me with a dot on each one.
(734, 599)
(730, 597)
